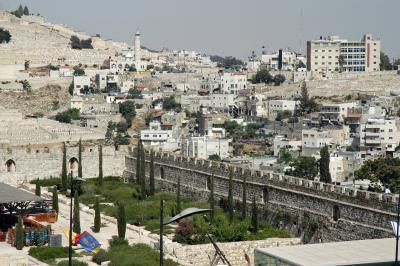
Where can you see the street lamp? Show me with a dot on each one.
(185, 213)
(73, 181)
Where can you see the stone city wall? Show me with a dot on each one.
(28, 162)
(341, 213)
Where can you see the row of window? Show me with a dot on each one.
(352, 50)
(323, 57)
(323, 51)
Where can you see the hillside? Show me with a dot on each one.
(41, 42)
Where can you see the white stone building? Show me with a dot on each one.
(292, 145)
(276, 106)
(205, 146)
(324, 54)
(156, 137)
(337, 111)
(81, 82)
(233, 83)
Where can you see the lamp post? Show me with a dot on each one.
(183, 214)
(72, 183)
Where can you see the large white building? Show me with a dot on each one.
(288, 60)
(205, 146)
(233, 83)
(333, 54)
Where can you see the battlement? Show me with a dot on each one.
(269, 177)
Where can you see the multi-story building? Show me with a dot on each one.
(208, 121)
(205, 146)
(233, 83)
(291, 145)
(336, 111)
(333, 54)
(378, 136)
(156, 137)
(81, 83)
(281, 60)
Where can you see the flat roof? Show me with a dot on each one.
(359, 252)
(9, 194)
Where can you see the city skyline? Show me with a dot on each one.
(224, 28)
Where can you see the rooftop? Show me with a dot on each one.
(358, 252)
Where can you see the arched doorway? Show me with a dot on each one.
(10, 166)
(73, 165)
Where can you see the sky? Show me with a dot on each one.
(226, 27)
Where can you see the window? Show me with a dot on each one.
(336, 213)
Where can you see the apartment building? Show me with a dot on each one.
(378, 136)
(337, 111)
(233, 83)
(291, 145)
(333, 54)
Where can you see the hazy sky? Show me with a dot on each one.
(225, 27)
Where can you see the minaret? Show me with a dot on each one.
(137, 47)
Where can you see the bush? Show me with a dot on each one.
(48, 182)
(68, 116)
(5, 36)
(101, 256)
(48, 254)
(74, 263)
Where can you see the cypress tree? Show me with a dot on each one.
(178, 196)
(151, 177)
(121, 220)
(100, 166)
(254, 216)
(38, 191)
(211, 200)
(230, 196)
(244, 199)
(142, 179)
(76, 219)
(55, 200)
(80, 159)
(324, 173)
(97, 217)
(64, 174)
(138, 161)
(19, 234)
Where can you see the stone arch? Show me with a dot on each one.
(10, 166)
(73, 165)
(336, 212)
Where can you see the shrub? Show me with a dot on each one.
(74, 263)
(101, 256)
(5, 36)
(48, 182)
(47, 254)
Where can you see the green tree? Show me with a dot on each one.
(134, 93)
(304, 167)
(26, 64)
(5, 36)
(55, 200)
(26, 11)
(214, 157)
(64, 173)
(341, 62)
(80, 159)
(151, 175)
(284, 156)
(385, 62)
(212, 200)
(230, 196)
(127, 110)
(19, 234)
(138, 161)
(38, 189)
(244, 198)
(385, 170)
(100, 166)
(178, 196)
(68, 116)
(97, 216)
(78, 71)
(76, 219)
(307, 104)
(279, 79)
(262, 76)
(324, 174)
(121, 220)
(254, 216)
